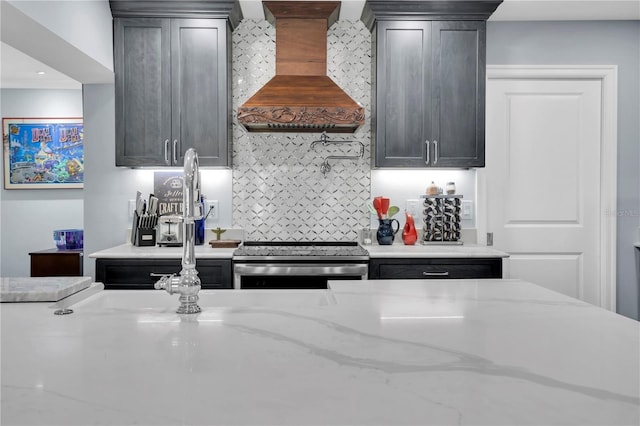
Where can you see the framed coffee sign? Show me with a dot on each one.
(43, 153)
(167, 186)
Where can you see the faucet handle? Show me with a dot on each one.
(162, 282)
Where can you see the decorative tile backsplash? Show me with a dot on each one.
(279, 191)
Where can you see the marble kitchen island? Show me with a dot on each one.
(436, 352)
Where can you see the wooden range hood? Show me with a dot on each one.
(301, 97)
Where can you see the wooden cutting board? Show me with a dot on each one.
(224, 243)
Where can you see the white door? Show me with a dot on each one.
(542, 184)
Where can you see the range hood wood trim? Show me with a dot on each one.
(319, 105)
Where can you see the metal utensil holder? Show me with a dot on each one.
(441, 218)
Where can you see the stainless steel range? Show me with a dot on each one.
(305, 264)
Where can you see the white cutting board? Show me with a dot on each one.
(40, 289)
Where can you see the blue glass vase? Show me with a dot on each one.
(199, 226)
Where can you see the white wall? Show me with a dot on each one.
(73, 37)
(84, 24)
(29, 216)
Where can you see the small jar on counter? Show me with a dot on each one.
(432, 189)
(450, 188)
(366, 236)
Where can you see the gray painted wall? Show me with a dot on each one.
(106, 187)
(592, 43)
(29, 216)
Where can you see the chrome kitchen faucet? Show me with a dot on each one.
(187, 285)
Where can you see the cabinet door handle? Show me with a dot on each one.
(167, 161)
(435, 274)
(435, 152)
(175, 152)
(428, 159)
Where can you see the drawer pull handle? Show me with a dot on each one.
(435, 274)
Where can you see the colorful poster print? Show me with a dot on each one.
(41, 153)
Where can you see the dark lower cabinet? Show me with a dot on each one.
(136, 273)
(56, 263)
(448, 268)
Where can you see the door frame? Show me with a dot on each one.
(608, 76)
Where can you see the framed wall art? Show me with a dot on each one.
(43, 153)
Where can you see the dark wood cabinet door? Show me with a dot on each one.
(173, 88)
(458, 58)
(402, 86)
(200, 80)
(142, 91)
(136, 273)
(429, 92)
(435, 268)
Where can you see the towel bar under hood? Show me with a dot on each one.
(301, 97)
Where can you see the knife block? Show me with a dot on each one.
(143, 234)
(146, 237)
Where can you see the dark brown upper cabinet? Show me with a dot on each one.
(172, 82)
(428, 82)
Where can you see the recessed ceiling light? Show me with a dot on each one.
(40, 72)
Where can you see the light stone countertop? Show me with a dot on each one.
(128, 251)
(432, 251)
(40, 289)
(375, 251)
(387, 352)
